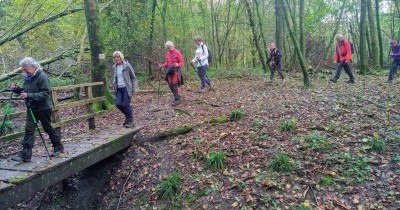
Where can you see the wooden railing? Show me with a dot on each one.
(57, 122)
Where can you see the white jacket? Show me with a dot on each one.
(202, 53)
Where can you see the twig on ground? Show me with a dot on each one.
(122, 190)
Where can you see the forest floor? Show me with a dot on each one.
(284, 147)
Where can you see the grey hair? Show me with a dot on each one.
(28, 61)
(169, 44)
(198, 38)
(119, 53)
(393, 41)
(339, 37)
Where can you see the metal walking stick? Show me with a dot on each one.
(37, 127)
(6, 113)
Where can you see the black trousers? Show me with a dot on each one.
(44, 117)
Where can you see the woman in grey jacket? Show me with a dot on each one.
(125, 83)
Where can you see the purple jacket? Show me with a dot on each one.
(395, 52)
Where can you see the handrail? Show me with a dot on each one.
(57, 122)
(77, 86)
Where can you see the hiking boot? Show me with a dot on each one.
(24, 156)
(129, 123)
(57, 151)
(350, 82)
(389, 81)
(125, 121)
(176, 102)
(333, 80)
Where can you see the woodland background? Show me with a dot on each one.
(237, 32)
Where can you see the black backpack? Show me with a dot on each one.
(352, 48)
(209, 54)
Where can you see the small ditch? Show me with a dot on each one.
(84, 190)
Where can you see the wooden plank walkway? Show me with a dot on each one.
(19, 181)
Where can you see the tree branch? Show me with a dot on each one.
(66, 54)
(36, 24)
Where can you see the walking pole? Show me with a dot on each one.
(6, 113)
(37, 127)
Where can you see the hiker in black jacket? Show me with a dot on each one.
(395, 53)
(37, 94)
(275, 58)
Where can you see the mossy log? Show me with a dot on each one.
(175, 132)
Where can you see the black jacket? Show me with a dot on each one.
(39, 92)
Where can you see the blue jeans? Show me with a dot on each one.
(123, 102)
(201, 72)
(393, 69)
(346, 67)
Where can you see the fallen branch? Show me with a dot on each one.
(66, 54)
(123, 186)
(183, 111)
(382, 106)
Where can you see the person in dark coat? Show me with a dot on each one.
(395, 53)
(274, 60)
(37, 94)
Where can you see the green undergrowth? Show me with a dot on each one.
(281, 163)
(237, 114)
(216, 160)
(169, 187)
(288, 125)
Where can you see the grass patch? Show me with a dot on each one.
(17, 180)
(357, 167)
(170, 186)
(376, 145)
(216, 160)
(288, 125)
(281, 163)
(317, 142)
(237, 114)
(326, 180)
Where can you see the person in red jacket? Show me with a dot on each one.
(342, 57)
(173, 64)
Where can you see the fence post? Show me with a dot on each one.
(89, 95)
(55, 116)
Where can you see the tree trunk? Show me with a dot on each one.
(363, 32)
(301, 27)
(374, 38)
(302, 62)
(98, 67)
(256, 41)
(150, 50)
(279, 24)
(260, 26)
(378, 29)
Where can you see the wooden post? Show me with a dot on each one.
(55, 117)
(89, 95)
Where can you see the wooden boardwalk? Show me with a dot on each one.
(19, 181)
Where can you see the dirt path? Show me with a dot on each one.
(334, 164)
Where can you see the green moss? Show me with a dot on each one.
(177, 131)
(18, 179)
(216, 120)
